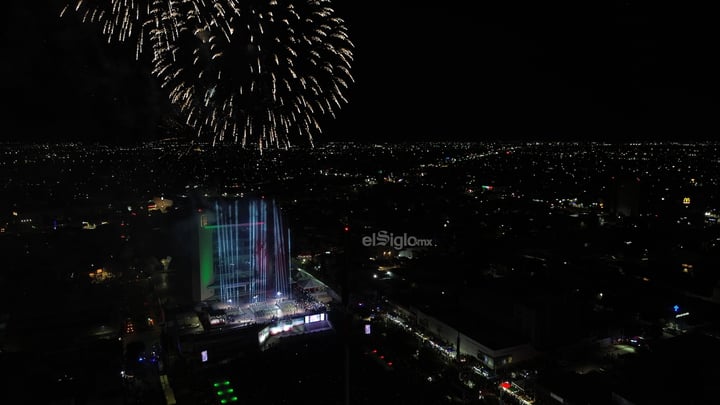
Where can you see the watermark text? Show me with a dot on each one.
(397, 242)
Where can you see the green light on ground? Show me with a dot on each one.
(223, 392)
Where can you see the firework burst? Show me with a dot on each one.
(265, 77)
(254, 72)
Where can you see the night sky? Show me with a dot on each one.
(609, 71)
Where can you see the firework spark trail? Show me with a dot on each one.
(124, 20)
(254, 72)
(284, 64)
(159, 21)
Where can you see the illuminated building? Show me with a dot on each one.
(495, 346)
(243, 253)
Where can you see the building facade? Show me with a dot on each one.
(244, 253)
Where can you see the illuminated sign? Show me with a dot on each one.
(204, 356)
(686, 201)
(367, 329)
(684, 314)
(314, 318)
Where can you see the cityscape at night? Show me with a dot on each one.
(448, 271)
(348, 203)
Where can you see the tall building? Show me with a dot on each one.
(626, 195)
(244, 253)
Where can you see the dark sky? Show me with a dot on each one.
(600, 70)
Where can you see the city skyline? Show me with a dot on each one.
(625, 71)
(547, 262)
